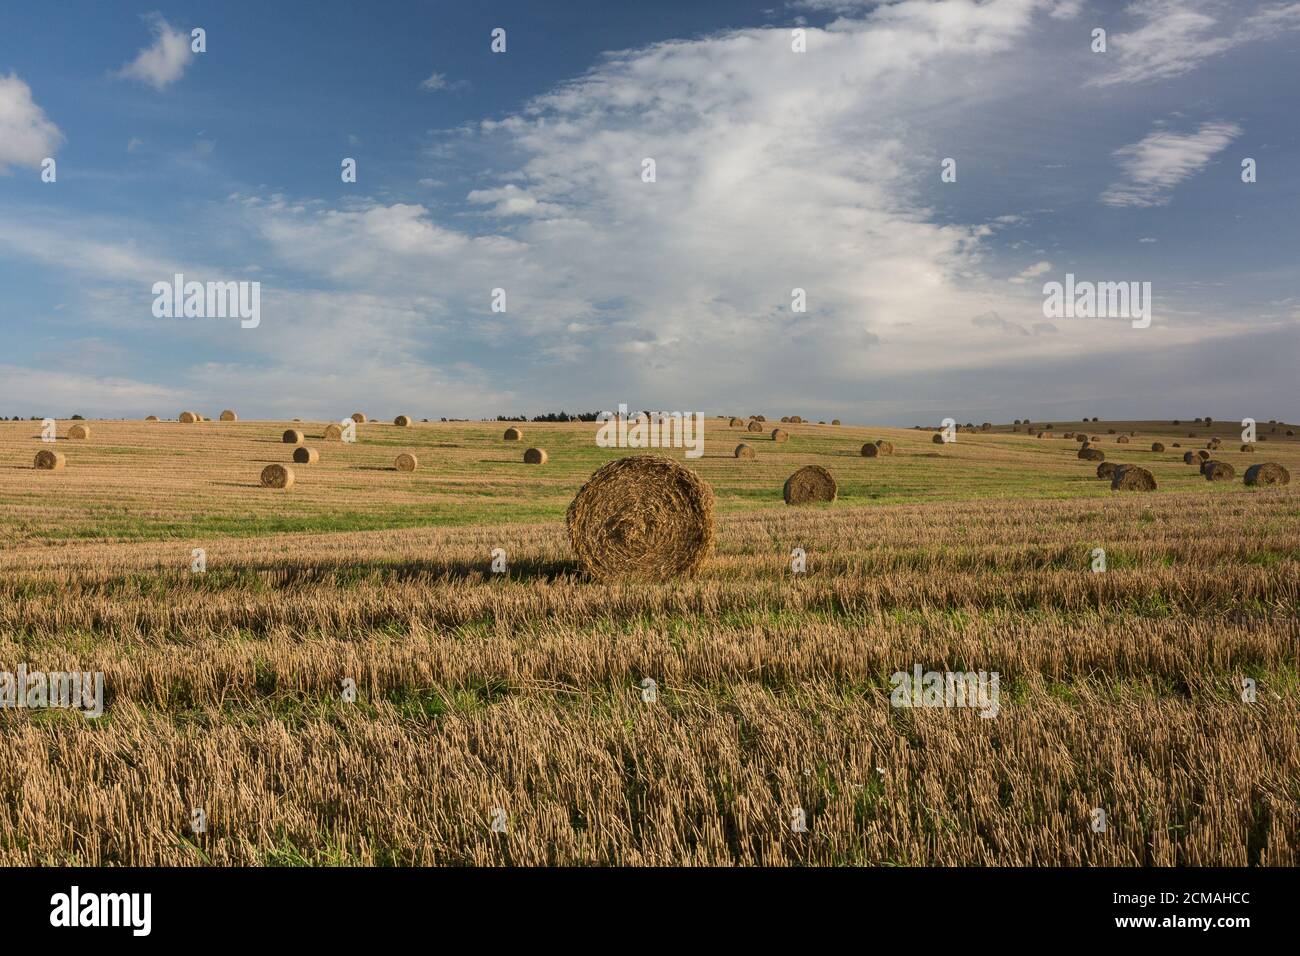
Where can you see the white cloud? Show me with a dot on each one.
(26, 135)
(165, 60)
(1176, 36)
(1033, 272)
(435, 82)
(1156, 164)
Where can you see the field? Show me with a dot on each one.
(518, 696)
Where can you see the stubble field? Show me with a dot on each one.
(518, 696)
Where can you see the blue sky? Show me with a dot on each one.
(775, 170)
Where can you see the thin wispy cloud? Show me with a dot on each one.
(1157, 163)
(165, 60)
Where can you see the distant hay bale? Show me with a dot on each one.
(1106, 470)
(47, 460)
(1068, 435)
(1203, 455)
(1156, 446)
(786, 419)
(835, 421)
(754, 426)
(292, 437)
(513, 434)
(736, 423)
(79, 432)
(1177, 445)
(938, 438)
(796, 419)
(1189, 458)
(986, 427)
(277, 476)
(759, 418)
(779, 435)
(1248, 448)
(359, 418)
(1040, 435)
(535, 456)
(229, 416)
(402, 421)
(1267, 473)
(643, 515)
(151, 418)
(886, 447)
(808, 485)
(870, 450)
(1091, 454)
(406, 462)
(1122, 440)
(333, 432)
(1110, 431)
(1214, 470)
(306, 456)
(1132, 478)
(744, 451)
(188, 418)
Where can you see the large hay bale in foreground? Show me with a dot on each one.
(1106, 470)
(306, 456)
(1156, 446)
(291, 436)
(277, 476)
(1092, 454)
(779, 435)
(47, 460)
(1218, 471)
(1267, 473)
(402, 421)
(643, 515)
(513, 434)
(188, 418)
(536, 456)
(229, 416)
(808, 485)
(744, 451)
(1132, 478)
(406, 462)
(736, 423)
(359, 418)
(333, 432)
(79, 432)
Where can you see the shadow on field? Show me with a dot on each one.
(430, 572)
(372, 468)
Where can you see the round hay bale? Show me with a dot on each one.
(402, 421)
(1248, 448)
(1122, 440)
(643, 515)
(47, 460)
(535, 456)
(886, 447)
(1189, 458)
(151, 418)
(229, 416)
(513, 434)
(1083, 439)
(1132, 478)
(938, 439)
(1156, 446)
(333, 432)
(292, 437)
(835, 421)
(759, 418)
(277, 476)
(744, 451)
(1106, 470)
(79, 432)
(1110, 431)
(359, 418)
(736, 423)
(1203, 455)
(306, 456)
(754, 426)
(1267, 473)
(1092, 454)
(810, 484)
(785, 419)
(188, 418)
(870, 450)
(406, 462)
(778, 435)
(1218, 471)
